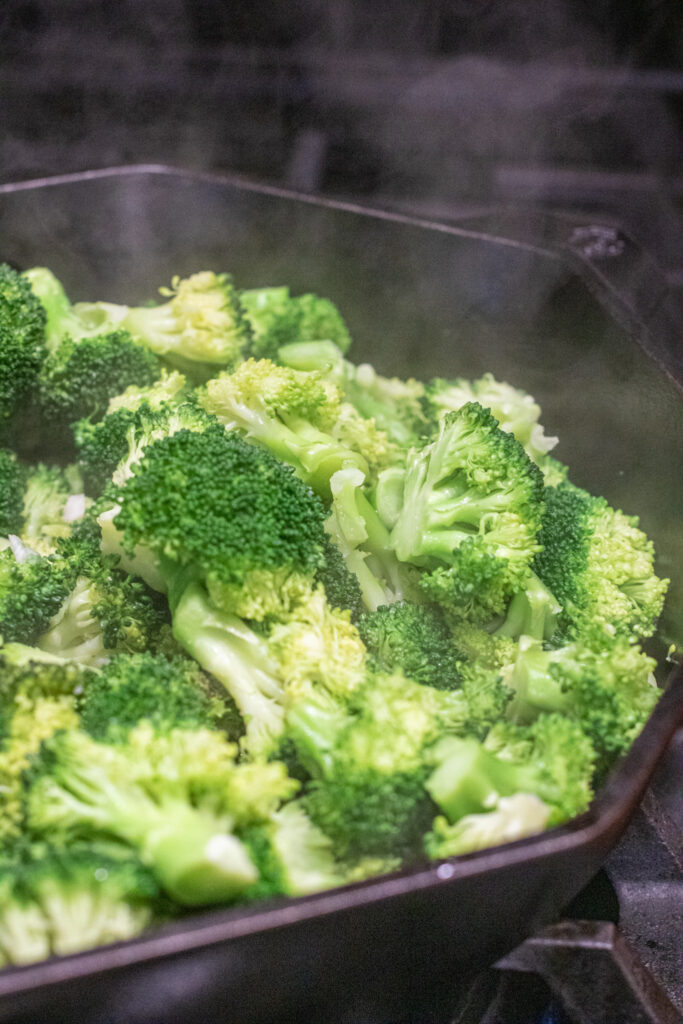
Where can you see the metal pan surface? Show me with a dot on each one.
(569, 310)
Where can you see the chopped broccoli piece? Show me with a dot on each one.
(517, 412)
(160, 791)
(472, 506)
(414, 638)
(341, 585)
(278, 319)
(11, 493)
(513, 817)
(131, 688)
(60, 902)
(22, 342)
(80, 376)
(598, 564)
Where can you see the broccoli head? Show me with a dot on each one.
(11, 493)
(413, 638)
(22, 342)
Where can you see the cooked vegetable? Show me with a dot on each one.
(284, 623)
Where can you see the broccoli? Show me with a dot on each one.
(130, 688)
(472, 507)
(516, 412)
(367, 759)
(414, 638)
(79, 377)
(202, 323)
(513, 817)
(11, 493)
(290, 413)
(604, 683)
(59, 902)
(278, 319)
(37, 698)
(598, 564)
(532, 612)
(552, 759)
(394, 405)
(341, 585)
(32, 590)
(22, 343)
(162, 791)
(52, 502)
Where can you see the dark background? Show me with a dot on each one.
(444, 106)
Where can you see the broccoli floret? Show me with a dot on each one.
(52, 502)
(22, 342)
(11, 493)
(278, 319)
(60, 902)
(516, 411)
(531, 612)
(290, 413)
(32, 589)
(202, 323)
(472, 505)
(414, 638)
(513, 817)
(367, 762)
(255, 541)
(37, 698)
(395, 406)
(598, 564)
(162, 792)
(603, 682)
(131, 688)
(171, 388)
(79, 377)
(341, 586)
(552, 759)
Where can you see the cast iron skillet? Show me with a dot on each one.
(569, 310)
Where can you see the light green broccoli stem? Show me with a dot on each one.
(532, 612)
(225, 646)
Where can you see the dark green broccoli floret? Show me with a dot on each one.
(11, 493)
(255, 541)
(341, 586)
(472, 504)
(598, 564)
(146, 686)
(59, 902)
(22, 342)
(80, 376)
(32, 590)
(414, 638)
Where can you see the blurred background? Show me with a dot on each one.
(443, 107)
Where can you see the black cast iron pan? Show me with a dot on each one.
(567, 309)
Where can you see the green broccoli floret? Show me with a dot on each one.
(516, 411)
(11, 493)
(32, 590)
(37, 698)
(60, 902)
(341, 586)
(130, 688)
(162, 791)
(53, 501)
(112, 446)
(79, 377)
(598, 564)
(472, 505)
(604, 683)
(202, 323)
(367, 761)
(415, 639)
(22, 342)
(290, 413)
(278, 318)
(394, 405)
(513, 817)
(532, 612)
(552, 759)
